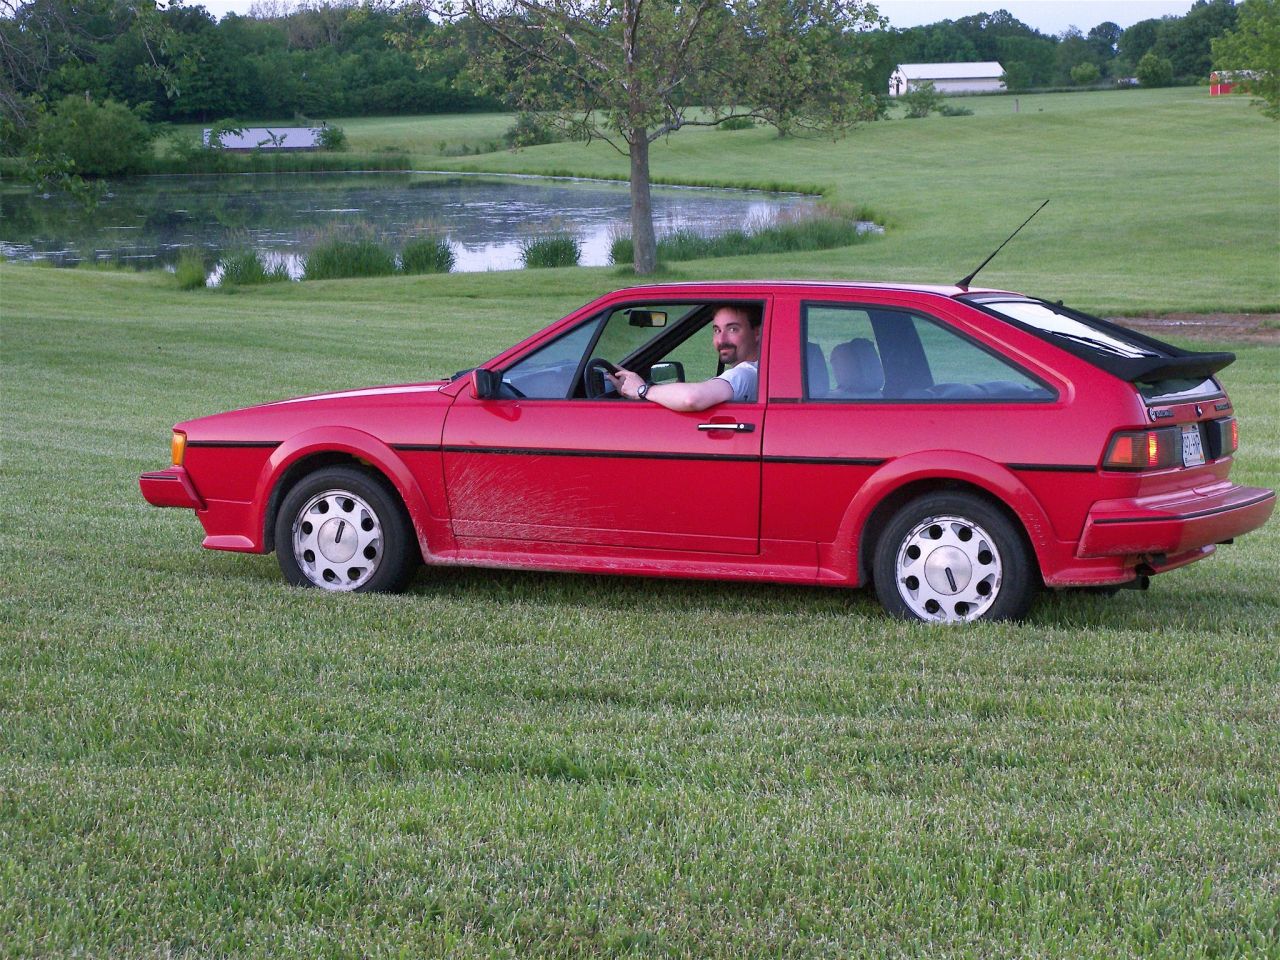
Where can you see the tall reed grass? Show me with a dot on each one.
(247, 267)
(824, 231)
(191, 271)
(427, 255)
(554, 250)
(338, 259)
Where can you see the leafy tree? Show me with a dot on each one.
(802, 78)
(630, 73)
(332, 138)
(1254, 46)
(44, 39)
(936, 43)
(1186, 41)
(1085, 74)
(1072, 51)
(1104, 40)
(922, 99)
(1137, 40)
(1038, 55)
(1016, 76)
(988, 31)
(99, 139)
(1154, 71)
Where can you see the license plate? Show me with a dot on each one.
(1192, 448)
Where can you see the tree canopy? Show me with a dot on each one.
(1252, 53)
(633, 71)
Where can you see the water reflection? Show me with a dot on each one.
(150, 221)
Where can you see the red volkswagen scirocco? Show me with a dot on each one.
(959, 448)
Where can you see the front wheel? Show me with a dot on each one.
(341, 529)
(953, 558)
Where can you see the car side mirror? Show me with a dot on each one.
(485, 384)
(668, 371)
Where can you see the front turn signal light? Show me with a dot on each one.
(178, 447)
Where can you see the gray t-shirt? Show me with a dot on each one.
(742, 377)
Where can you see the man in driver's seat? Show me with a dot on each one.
(736, 331)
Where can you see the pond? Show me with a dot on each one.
(149, 221)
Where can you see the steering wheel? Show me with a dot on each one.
(594, 382)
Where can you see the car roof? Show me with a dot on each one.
(945, 290)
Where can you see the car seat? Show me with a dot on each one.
(816, 371)
(857, 369)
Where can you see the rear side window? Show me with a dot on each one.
(869, 354)
(1142, 360)
(1068, 327)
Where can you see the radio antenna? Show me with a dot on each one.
(969, 279)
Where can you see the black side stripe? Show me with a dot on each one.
(647, 455)
(833, 461)
(272, 444)
(601, 454)
(666, 455)
(1052, 467)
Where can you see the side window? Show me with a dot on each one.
(868, 353)
(548, 372)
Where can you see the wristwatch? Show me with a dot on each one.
(643, 390)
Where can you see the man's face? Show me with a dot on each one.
(735, 339)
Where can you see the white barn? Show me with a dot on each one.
(267, 138)
(948, 77)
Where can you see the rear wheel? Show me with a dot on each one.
(342, 529)
(953, 558)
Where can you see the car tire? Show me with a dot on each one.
(953, 558)
(343, 529)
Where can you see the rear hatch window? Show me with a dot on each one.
(1161, 372)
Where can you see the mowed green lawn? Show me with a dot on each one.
(198, 761)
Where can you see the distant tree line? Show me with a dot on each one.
(314, 60)
(1033, 59)
(324, 58)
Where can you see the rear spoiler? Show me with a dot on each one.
(1152, 369)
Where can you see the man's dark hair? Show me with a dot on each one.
(752, 311)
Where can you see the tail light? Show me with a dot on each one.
(1223, 437)
(1160, 448)
(1144, 449)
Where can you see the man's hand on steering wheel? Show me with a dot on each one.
(626, 382)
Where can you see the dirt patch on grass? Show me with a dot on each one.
(1228, 327)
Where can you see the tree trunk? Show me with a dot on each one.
(644, 246)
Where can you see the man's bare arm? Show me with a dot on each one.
(683, 397)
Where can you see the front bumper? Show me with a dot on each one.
(170, 488)
(1174, 524)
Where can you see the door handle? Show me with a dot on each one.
(735, 427)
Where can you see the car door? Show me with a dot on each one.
(879, 382)
(604, 472)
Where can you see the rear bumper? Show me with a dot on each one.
(1174, 524)
(170, 488)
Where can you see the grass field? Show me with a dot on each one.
(197, 761)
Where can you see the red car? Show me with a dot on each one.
(959, 448)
